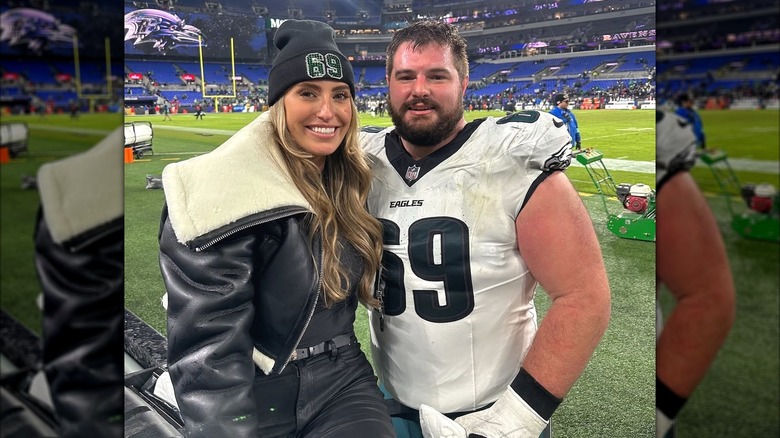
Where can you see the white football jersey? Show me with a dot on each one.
(458, 298)
(675, 144)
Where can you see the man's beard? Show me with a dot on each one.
(423, 134)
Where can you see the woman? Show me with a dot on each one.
(265, 249)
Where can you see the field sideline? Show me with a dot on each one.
(614, 397)
(741, 395)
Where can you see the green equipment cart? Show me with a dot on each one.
(759, 217)
(637, 219)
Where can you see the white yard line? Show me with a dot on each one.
(71, 130)
(194, 130)
(743, 164)
(618, 164)
(626, 165)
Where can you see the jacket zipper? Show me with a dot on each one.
(233, 231)
(313, 308)
(78, 243)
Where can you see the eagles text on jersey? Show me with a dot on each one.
(458, 309)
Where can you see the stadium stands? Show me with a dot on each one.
(373, 75)
(163, 72)
(573, 45)
(478, 71)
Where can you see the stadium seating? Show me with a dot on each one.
(632, 62)
(530, 68)
(479, 71)
(578, 65)
(36, 71)
(163, 72)
(374, 75)
(253, 73)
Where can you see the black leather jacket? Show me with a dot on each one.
(79, 255)
(241, 275)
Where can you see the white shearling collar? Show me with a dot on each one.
(243, 176)
(83, 191)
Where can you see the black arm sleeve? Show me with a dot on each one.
(210, 314)
(83, 301)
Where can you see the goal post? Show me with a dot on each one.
(92, 97)
(203, 81)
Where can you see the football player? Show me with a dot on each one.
(692, 263)
(475, 215)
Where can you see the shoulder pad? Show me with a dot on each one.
(675, 146)
(528, 116)
(372, 129)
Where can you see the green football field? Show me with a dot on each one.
(740, 396)
(51, 138)
(615, 396)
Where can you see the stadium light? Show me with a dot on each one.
(260, 10)
(295, 13)
(213, 6)
(329, 15)
(165, 4)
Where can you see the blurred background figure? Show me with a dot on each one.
(686, 110)
(561, 110)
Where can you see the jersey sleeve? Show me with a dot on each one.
(542, 142)
(372, 137)
(675, 146)
(539, 144)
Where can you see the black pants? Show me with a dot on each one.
(334, 394)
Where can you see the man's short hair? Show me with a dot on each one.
(421, 33)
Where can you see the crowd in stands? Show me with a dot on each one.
(515, 96)
(682, 11)
(735, 45)
(502, 14)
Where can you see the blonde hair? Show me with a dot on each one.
(338, 197)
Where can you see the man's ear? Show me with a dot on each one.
(464, 84)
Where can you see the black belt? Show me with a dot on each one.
(323, 347)
(399, 410)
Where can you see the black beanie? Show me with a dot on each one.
(560, 98)
(307, 51)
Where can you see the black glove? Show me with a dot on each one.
(579, 145)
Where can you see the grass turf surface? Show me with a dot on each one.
(615, 395)
(619, 379)
(51, 137)
(740, 395)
